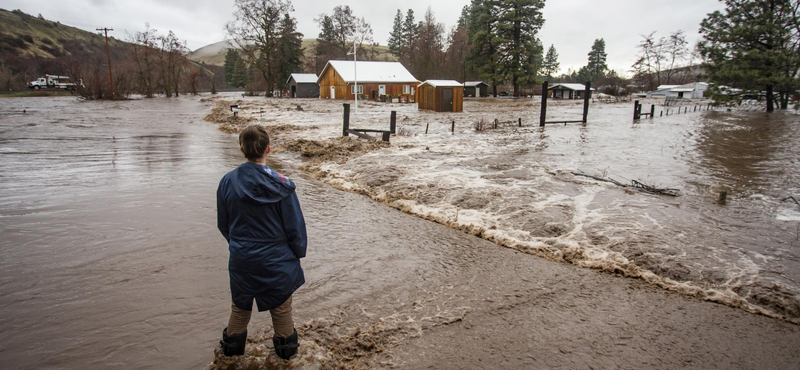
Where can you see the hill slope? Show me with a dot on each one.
(26, 36)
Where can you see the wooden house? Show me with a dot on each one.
(387, 81)
(441, 96)
(476, 89)
(568, 91)
(303, 85)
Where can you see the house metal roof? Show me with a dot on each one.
(303, 78)
(475, 83)
(573, 87)
(370, 71)
(666, 87)
(442, 83)
(689, 87)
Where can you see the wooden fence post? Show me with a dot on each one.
(346, 120)
(586, 95)
(543, 112)
(652, 111)
(520, 122)
(635, 109)
(426, 128)
(393, 123)
(453, 127)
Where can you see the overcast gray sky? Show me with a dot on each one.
(571, 25)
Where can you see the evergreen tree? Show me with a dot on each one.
(519, 48)
(231, 56)
(484, 41)
(463, 18)
(290, 46)
(339, 30)
(551, 65)
(410, 35)
(396, 36)
(597, 66)
(753, 45)
(325, 46)
(240, 76)
(427, 54)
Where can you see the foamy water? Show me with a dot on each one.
(513, 185)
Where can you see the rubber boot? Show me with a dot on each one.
(233, 345)
(285, 348)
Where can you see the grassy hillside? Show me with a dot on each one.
(26, 36)
(214, 54)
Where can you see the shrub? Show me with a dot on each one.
(481, 125)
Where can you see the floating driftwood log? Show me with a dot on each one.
(636, 185)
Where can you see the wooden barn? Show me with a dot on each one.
(385, 81)
(303, 85)
(441, 96)
(568, 91)
(476, 89)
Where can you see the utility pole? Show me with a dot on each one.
(355, 75)
(108, 53)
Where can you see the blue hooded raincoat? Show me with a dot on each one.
(259, 214)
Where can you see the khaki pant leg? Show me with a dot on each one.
(238, 321)
(282, 323)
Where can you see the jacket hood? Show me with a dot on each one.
(260, 184)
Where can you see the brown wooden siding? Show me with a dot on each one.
(431, 98)
(370, 89)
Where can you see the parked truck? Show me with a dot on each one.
(53, 82)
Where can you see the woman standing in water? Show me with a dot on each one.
(259, 215)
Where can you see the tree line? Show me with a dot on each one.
(751, 48)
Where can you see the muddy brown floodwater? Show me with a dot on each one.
(110, 253)
(110, 259)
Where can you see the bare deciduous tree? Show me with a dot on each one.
(256, 33)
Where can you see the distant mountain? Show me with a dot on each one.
(214, 54)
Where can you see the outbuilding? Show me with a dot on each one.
(476, 89)
(694, 90)
(384, 81)
(568, 91)
(303, 85)
(441, 96)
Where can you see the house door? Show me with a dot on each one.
(294, 91)
(333, 92)
(447, 100)
(381, 90)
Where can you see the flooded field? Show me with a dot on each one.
(111, 258)
(110, 253)
(515, 186)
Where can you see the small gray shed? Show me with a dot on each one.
(476, 89)
(303, 85)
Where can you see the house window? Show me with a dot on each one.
(360, 89)
(406, 89)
